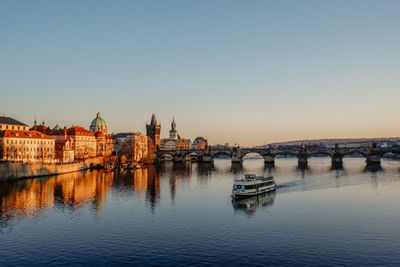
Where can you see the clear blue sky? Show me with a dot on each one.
(244, 72)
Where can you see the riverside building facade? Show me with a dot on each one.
(26, 146)
(7, 123)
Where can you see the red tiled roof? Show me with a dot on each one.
(24, 134)
(99, 134)
(77, 130)
(41, 128)
(58, 132)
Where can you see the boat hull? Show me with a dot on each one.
(250, 193)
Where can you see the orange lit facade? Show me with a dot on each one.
(140, 148)
(200, 143)
(26, 146)
(85, 143)
(183, 144)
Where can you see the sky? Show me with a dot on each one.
(243, 72)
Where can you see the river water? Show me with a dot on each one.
(184, 215)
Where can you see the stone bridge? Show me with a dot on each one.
(372, 154)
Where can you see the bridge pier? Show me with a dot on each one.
(337, 161)
(236, 157)
(178, 158)
(302, 162)
(373, 160)
(269, 160)
(206, 159)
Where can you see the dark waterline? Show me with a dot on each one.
(184, 215)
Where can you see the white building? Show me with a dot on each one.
(26, 146)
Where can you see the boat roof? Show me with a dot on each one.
(253, 177)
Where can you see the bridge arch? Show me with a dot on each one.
(221, 153)
(389, 153)
(319, 153)
(162, 155)
(355, 151)
(285, 154)
(242, 155)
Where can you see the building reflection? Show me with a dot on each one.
(28, 198)
(251, 204)
(153, 186)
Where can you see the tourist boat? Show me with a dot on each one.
(252, 185)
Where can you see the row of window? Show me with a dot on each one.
(85, 138)
(31, 149)
(253, 186)
(12, 127)
(30, 157)
(33, 142)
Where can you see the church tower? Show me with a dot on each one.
(153, 131)
(173, 133)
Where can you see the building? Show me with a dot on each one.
(64, 145)
(173, 133)
(153, 131)
(7, 123)
(98, 125)
(183, 144)
(85, 143)
(168, 144)
(123, 144)
(26, 146)
(105, 142)
(140, 148)
(135, 147)
(200, 143)
(151, 150)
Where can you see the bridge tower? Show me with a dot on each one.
(153, 131)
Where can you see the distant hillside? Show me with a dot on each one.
(334, 141)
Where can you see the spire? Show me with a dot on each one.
(43, 122)
(35, 122)
(173, 124)
(153, 120)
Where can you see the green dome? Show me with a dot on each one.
(57, 127)
(98, 122)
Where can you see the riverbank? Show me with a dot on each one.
(18, 170)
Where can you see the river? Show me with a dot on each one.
(184, 215)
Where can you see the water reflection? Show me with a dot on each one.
(250, 205)
(30, 198)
